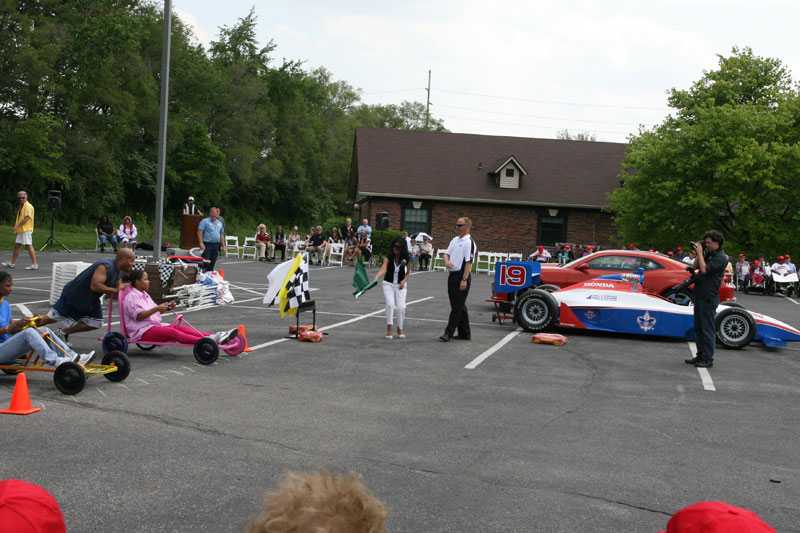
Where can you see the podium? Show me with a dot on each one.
(189, 225)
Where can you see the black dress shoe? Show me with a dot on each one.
(692, 361)
(445, 338)
(704, 364)
(463, 337)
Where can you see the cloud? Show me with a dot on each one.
(203, 36)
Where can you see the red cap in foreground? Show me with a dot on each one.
(716, 517)
(25, 507)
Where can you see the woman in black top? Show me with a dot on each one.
(106, 233)
(395, 273)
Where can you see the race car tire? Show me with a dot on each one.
(549, 288)
(69, 378)
(732, 304)
(735, 328)
(680, 297)
(145, 347)
(114, 342)
(535, 310)
(123, 364)
(206, 351)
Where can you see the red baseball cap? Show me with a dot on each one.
(716, 517)
(680, 248)
(780, 258)
(788, 257)
(741, 255)
(756, 262)
(633, 245)
(25, 507)
(670, 253)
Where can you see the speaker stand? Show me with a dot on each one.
(51, 240)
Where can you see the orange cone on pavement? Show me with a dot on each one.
(222, 273)
(241, 331)
(20, 399)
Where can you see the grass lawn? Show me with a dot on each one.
(74, 237)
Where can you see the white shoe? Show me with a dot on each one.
(84, 358)
(224, 337)
(8, 264)
(61, 360)
(32, 267)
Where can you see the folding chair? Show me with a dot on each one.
(496, 257)
(232, 244)
(438, 260)
(96, 239)
(515, 257)
(482, 262)
(337, 254)
(299, 248)
(249, 248)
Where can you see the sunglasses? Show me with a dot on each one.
(460, 225)
(396, 246)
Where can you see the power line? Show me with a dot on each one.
(541, 117)
(553, 102)
(524, 125)
(396, 91)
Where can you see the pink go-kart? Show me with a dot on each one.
(205, 350)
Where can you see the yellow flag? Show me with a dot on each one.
(283, 294)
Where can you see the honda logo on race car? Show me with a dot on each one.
(597, 284)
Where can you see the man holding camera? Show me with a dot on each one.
(711, 267)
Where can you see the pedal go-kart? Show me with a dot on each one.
(205, 350)
(617, 303)
(70, 377)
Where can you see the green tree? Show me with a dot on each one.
(729, 159)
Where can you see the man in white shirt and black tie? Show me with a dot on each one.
(458, 260)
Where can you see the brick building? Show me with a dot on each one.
(518, 191)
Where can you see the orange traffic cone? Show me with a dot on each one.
(20, 399)
(222, 273)
(241, 330)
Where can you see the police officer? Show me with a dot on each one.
(711, 266)
(458, 260)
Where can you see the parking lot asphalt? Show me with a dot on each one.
(606, 433)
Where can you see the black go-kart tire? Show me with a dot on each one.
(732, 304)
(535, 310)
(114, 342)
(680, 297)
(735, 328)
(145, 347)
(206, 351)
(549, 288)
(122, 363)
(69, 378)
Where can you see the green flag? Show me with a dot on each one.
(361, 281)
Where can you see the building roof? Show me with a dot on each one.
(455, 166)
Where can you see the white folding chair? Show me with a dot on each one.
(496, 257)
(515, 257)
(337, 254)
(249, 248)
(96, 239)
(232, 245)
(438, 260)
(482, 262)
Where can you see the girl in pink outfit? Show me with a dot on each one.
(127, 234)
(143, 318)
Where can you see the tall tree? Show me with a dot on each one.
(728, 158)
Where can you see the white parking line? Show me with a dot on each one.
(705, 376)
(482, 357)
(350, 321)
(24, 310)
(795, 303)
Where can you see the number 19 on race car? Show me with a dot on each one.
(512, 276)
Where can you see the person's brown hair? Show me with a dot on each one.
(321, 502)
(715, 236)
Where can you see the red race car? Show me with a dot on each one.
(661, 273)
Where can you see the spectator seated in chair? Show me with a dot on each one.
(279, 240)
(425, 252)
(106, 234)
(126, 234)
(350, 247)
(335, 238)
(742, 272)
(780, 267)
(294, 238)
(265, 248)
(364, 247)
(540, 255)
(317, 246)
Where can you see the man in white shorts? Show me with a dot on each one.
(23, 227)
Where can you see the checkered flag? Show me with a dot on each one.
(295, 290)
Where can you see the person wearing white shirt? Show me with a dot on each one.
(782, 269)
(412, 249)
(458, 260)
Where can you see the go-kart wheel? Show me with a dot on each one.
(206, 351)
(549, 288)
(69, 378)
(145, 347)
(123, 364)
(680, 297)
(535, 310)
(732, 304)
(115, 342)
(235, 346)
(735, 327)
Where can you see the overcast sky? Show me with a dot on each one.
(519, 68)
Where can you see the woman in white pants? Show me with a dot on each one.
(395, 273)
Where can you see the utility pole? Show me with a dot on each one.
(428, 105)
(162, 129)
